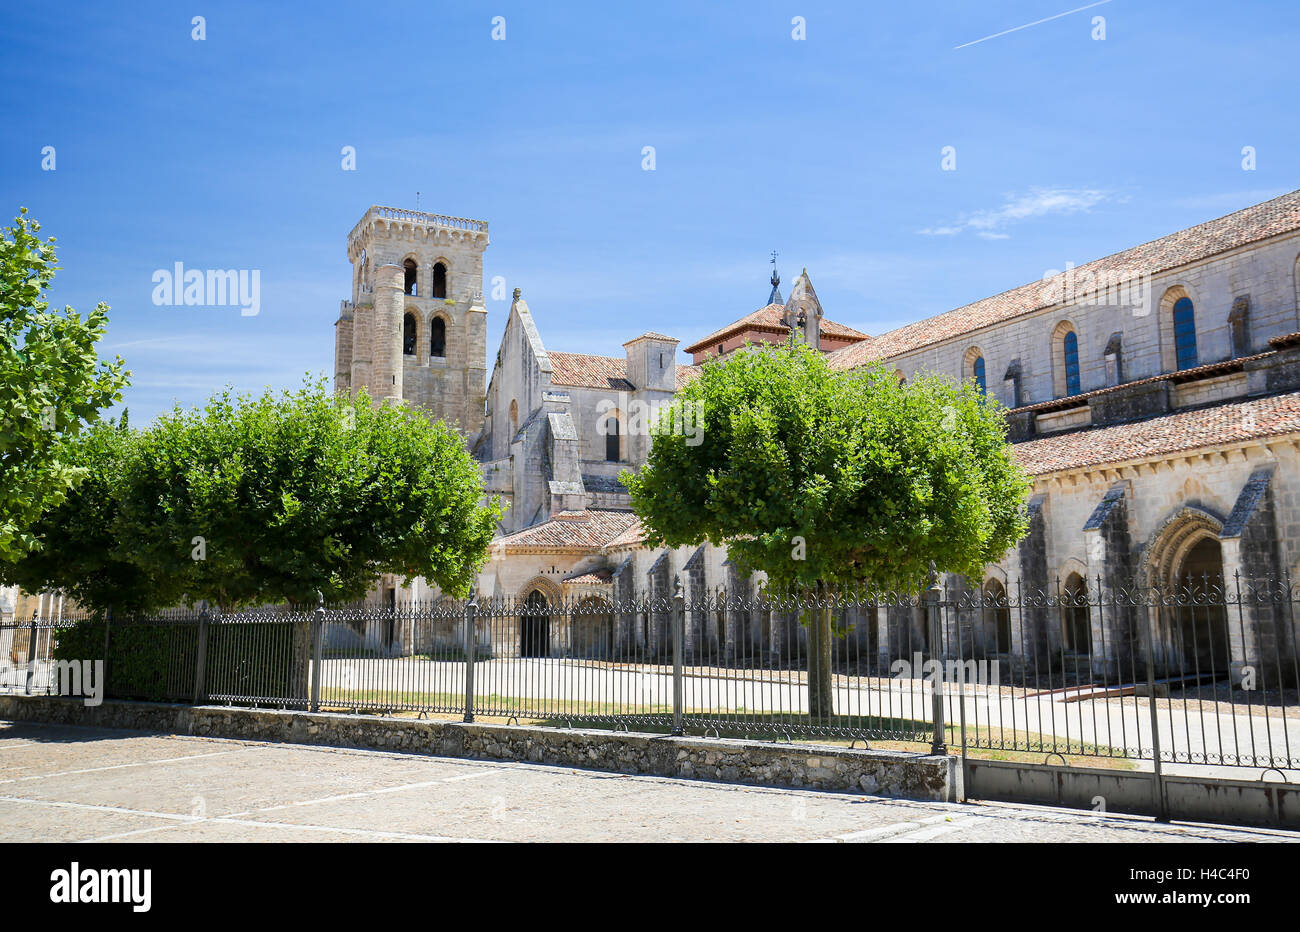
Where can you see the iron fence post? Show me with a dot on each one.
(933, 595)
(471, 638)
(1157, 777)
(317, 650)
(108, 625)
(31, 650)
(678, 624)
(201, 659)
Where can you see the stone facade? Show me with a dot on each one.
(415, 328)
(1151, 457)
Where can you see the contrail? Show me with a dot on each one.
(1034, 23)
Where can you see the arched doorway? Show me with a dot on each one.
(997, 617)
(1076, 623)
(535, 626)
(592, 628)
(1200, 623)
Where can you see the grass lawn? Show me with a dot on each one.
(893, 733)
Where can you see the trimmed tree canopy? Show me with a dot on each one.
(838, 477)
(268, 499)
(51, 384)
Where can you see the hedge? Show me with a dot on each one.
(157, 662)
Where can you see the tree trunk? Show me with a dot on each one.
(820, 696)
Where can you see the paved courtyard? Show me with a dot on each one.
(60, 783)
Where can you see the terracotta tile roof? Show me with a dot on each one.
(1271, 218)
(651, 335)
(596, 578)
(570, 530)
(583, 370)
(687, 374)
(771, 318)
(1164, 435)
(633, 536)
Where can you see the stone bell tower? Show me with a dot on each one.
(416, 327)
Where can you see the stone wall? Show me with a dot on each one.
(879, 772)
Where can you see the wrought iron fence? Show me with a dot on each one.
(1205, 673)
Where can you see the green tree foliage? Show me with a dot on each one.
(80, 549)
(266, 499)
(51, 384)
(825, 479)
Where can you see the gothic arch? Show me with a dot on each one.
(1166, 549)
(1165, 324)
(1066, 376)
(547, 587)
(996, 571)
(538, 607)
(1072, 565)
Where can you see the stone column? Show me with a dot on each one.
(390, 306)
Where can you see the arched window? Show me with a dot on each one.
(973, 364)
(437, 337)
(439, 280)
(1070, 348)
(514, 418)
(1065, 360)
(408, 334)
(611, 439)
(1185, 333)
(409, 268)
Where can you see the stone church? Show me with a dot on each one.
(1153, 395)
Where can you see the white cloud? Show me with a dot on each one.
(1036, 203)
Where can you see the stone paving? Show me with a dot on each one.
(62, 783)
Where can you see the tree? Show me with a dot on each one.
(51, 384)
(824, 479)
(80, 549)
(269, 499)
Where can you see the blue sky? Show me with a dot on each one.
(225, 153)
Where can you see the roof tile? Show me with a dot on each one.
(1271, 218)
(1162, 436)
